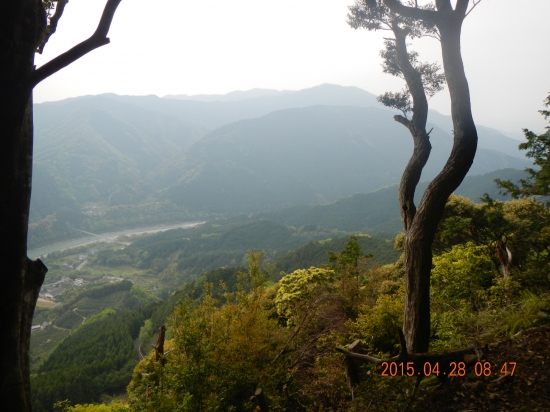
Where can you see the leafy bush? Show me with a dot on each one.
(219, 355)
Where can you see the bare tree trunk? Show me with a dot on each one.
(20, 34)
(21, 278)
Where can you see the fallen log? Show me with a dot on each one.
(443, 364)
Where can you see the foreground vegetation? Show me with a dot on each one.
(232, 330)
(109, 305)
(276, 326)
(281, 337)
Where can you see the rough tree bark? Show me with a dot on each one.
(21, 33)
(421, 225)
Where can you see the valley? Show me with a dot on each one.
(145, 206)
(106, 238)
(149, 160)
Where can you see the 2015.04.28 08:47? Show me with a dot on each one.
(452, 369)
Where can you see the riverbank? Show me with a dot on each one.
(107, 237)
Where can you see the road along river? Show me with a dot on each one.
(107, 237)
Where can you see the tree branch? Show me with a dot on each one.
(442, 358)
(50, 28)
(461, 7)
(413, 79)
(397, 7)
(473, 7)
(403, 120)
(98, 39)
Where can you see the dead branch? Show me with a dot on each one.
(98, 39)
(473, 7)
(50, 28)
(403, 120)
(446, 361)
(353, 369)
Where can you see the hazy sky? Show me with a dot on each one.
(217, 46)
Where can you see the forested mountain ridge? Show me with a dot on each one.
(229, 97)
(378, 212)
(489, 138)
(214, 114)
(100, 149)
(109, 162)
(309, 155)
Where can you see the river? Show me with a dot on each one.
(106, 237)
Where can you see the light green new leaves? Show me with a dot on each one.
(462, 273)
(298, 288)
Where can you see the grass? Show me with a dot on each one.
(44, 303)
(141, 277)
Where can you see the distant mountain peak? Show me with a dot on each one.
(240, 95)
(233, 96)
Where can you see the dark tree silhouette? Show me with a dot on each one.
(26, 28)
(444, 22)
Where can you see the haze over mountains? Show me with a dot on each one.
(239, 153)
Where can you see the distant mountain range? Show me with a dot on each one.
(229, 97)
(242, 152)
(309, 155)
(377, 213)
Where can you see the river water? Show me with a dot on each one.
(106, 237)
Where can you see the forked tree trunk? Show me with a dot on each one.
(420, 224)
(421, 233)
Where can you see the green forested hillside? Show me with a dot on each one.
(282, 338)
(102, 150)
(315, 253)
(378, 211)
(110, 161)
(287, 332)
(310, 254)
(76, 307)
(310, 155)
(88, 350)
(97, 358)
(177, 256)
